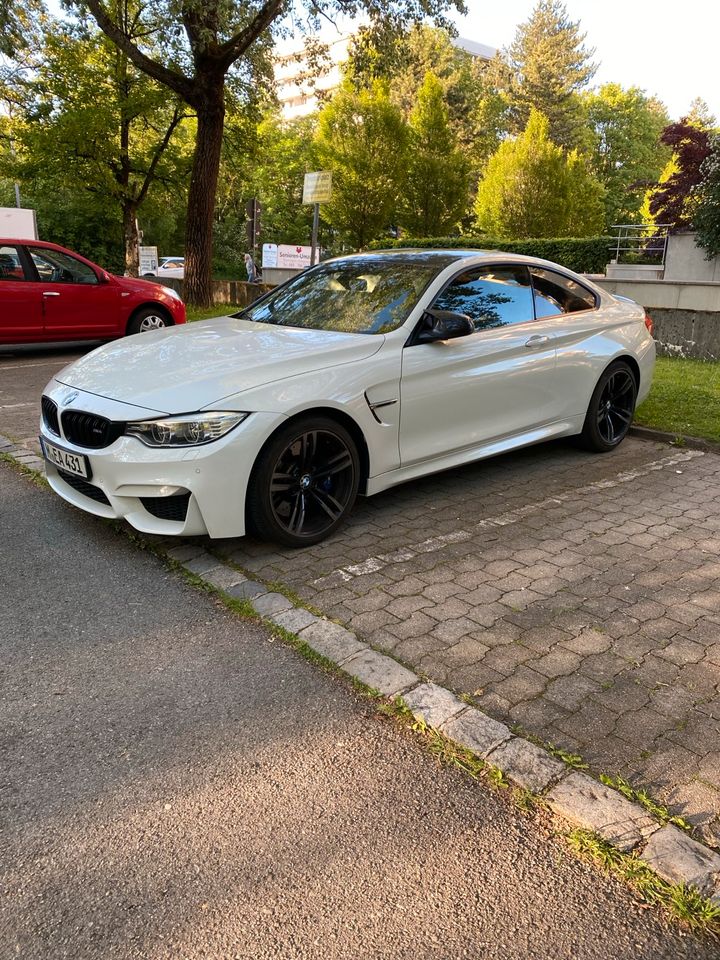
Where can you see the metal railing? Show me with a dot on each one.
(640, 243)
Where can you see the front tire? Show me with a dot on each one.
(147, 320)
(304, 483)
(611, 409)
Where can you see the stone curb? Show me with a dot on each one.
(22, 455)
(663, 436)
(575, 797)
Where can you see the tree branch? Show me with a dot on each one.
(234, 48)
(177, 118)
(176, 81)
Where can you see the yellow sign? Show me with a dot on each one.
(317, 187)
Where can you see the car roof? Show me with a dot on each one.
(445, 257)
(437, 256)
(25, 240)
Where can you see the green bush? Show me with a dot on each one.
(581, 254)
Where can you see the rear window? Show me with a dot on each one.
(556, 294)
(10, 266)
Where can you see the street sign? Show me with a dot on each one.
(269, 255)
(286, 256)
(148, 260)
(317, 187)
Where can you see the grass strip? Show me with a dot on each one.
(684, 399)
(205, 313)
(684, 903)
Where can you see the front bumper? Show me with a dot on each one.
(127, 476)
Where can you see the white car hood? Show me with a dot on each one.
(193, 366)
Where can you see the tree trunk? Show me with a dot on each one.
(132, 240)
(201, 199)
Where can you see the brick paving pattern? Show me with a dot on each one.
(575, 596)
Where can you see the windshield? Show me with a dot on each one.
(362, 295)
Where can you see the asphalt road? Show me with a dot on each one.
(24, 371)
(174, 784)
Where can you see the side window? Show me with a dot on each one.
(556, 294)
(11, 267)
(53, 266)
(492, 296)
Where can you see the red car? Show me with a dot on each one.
(49, 293)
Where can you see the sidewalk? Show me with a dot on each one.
(177, 784)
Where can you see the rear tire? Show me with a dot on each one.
(611, 409)
(304, 483)
(147, 320)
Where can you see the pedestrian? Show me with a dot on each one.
(251, 269)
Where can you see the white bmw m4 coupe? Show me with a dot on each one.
(358, 374)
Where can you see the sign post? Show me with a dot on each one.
(317, 189)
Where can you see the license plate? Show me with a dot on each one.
(76, 463)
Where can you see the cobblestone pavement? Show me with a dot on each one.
(576, 596)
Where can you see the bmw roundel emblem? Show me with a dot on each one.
(69, 397)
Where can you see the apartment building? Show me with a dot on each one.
(300, 92)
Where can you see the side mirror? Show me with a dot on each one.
(443, 325)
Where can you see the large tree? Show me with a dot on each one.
(547, 66)
(674, 200)
(100, 124)
(463, 78)
(362, 139)
(435, 196)
(205, 41)
(534, 188)
(625, 152)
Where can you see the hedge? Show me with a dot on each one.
(581, 254)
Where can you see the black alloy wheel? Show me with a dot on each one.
(611, 408)
(304, 483)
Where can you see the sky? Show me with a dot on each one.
(669, 49)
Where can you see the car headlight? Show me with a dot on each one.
(188, 430)
(171, 293)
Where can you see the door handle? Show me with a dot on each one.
(537, 341)
(50, 293)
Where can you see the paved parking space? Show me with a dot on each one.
(574, 595)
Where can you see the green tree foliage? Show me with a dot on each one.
(20, 24)
(362, 138)
(547, 66)
(269, 165)
(707, 213)
(533, 188)
(470, 99)
(435, 196)
(699, 115)
(92, 122)
(204, 42)
(625, 152)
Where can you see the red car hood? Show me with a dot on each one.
(138, 285)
